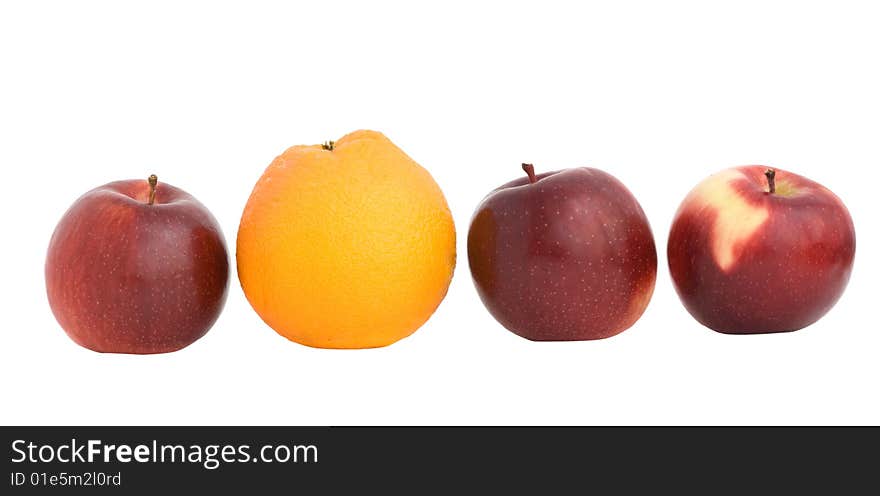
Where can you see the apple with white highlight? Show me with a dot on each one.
(754, 249)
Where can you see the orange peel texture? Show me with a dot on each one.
(349, 244)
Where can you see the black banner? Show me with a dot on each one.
(125, 460)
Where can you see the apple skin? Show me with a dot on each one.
(126, 276)
(568, 257)
(747, 261)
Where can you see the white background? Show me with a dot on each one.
(660, 94)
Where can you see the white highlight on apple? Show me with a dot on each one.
(736, 220)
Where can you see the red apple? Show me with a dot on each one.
(137, 267)
(756, 250)
(563, 256)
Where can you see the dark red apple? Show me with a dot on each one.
(756, 250)
(563, 256)
(137, 267)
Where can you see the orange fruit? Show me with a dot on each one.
(346, 245)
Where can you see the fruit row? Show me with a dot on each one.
(351, 244)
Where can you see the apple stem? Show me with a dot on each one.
(328, 145)
(771, 180)
(153, 180)
(530, 170)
